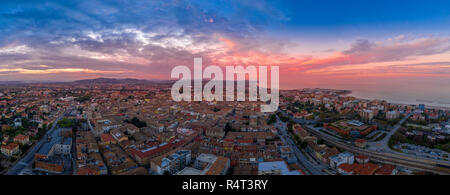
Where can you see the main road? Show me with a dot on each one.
(302, 160)
(385, 156)
(27, 159)
(382, 145)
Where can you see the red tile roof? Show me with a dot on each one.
(348, 168)
(367, 169)
(10, 146)
(106, 137)
(156, 150)
(362, 157)
(21, 137)
(386, 169)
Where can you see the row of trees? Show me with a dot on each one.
(400, 137)
(65, 123)
(136, 122)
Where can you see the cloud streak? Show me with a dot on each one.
(146, 39)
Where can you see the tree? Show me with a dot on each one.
(65, 123)
(446, 147)
(290, 126)
(228, 128)
(303, 145)
(136, 122)
(166, 173)
(83, 98)
(272, 119)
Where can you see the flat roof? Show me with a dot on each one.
(210, 158)
(190, 171)
(56, 138)
(276, 165)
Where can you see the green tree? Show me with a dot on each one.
(272, 119)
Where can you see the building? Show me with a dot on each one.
(422, 107)
(215, 132)
(64, 146)
(302, 133)
(171, 163)
(10, 149)
(51, 164)
(5, 139)
(360, 143)
(275, 168)
(358, 169)
(190, 171)
(362, 159)
(287, 154)
(107, 139)
(392, 115)
(118, 135)
(135, 171)
(366, 114)
(387, 169)
(50, 156)
(44, 108)
(207, 164)
(104, 126)
(143, 155)
(354, 128)
(88, 170)
(204, 160)
(367, 169)
(22, 139)
(17, 122)
(342, 158)
(347, 169)
(219, 167)
(5, 127)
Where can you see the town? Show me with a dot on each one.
(133, 127)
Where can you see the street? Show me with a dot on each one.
(302, 160)
(26, 162)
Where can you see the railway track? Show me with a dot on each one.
(401, 160)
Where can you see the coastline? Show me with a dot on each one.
(428, 104)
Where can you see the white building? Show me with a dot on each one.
(17, 122)
(367, 114)
(172, 163)
(275, 168)
(207, 164)
(345, 157)
(391, 115)
(64, 147)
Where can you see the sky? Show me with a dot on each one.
(316, 43)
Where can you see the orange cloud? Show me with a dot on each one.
(228, 42)
(53, 71)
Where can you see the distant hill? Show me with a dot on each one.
(11, 82)
(118, 81)
(102, 81)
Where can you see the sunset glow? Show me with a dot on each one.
(110, 41)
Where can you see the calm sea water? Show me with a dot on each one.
(428, 91)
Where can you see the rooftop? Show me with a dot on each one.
(276, 165)
(190, 171)
(55, 138)
(209, 158)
